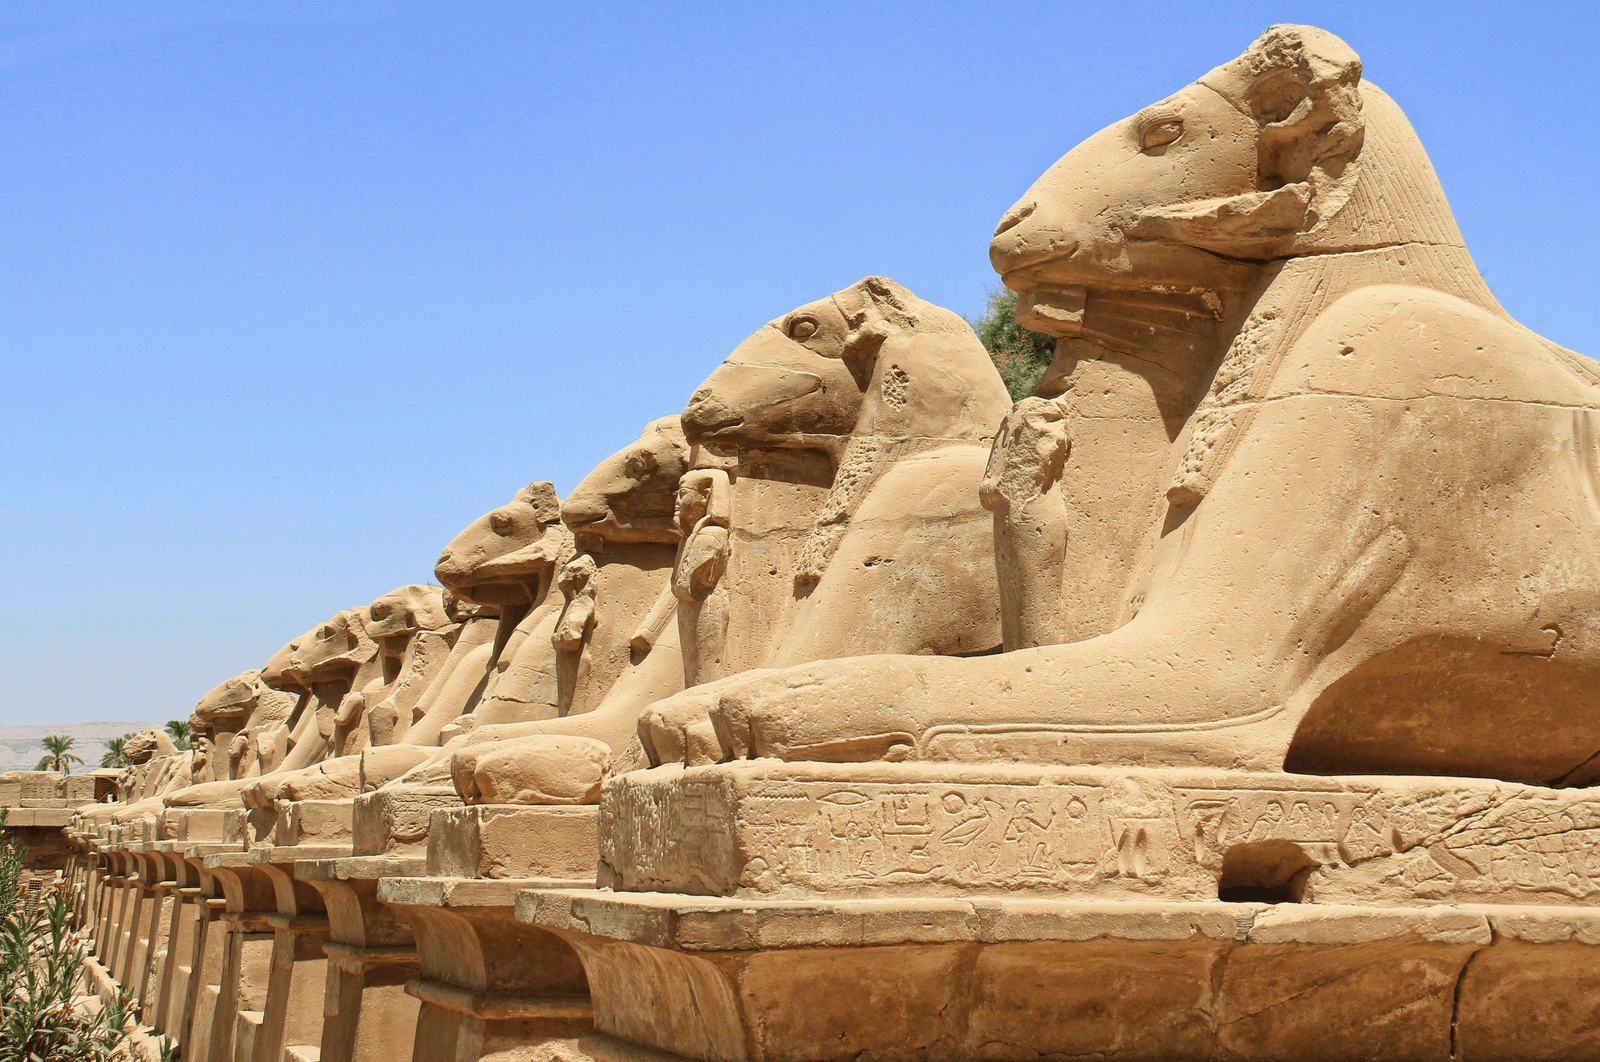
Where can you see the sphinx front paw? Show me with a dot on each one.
(677, 730)
(838, 711)
(543, 769)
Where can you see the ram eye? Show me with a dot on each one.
(1160, 133)
(501, 524)
(802, 328)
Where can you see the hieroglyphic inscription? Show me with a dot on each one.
(1213, 820)
(823, 836)
(1396, 842)
(1534, 845)
(1499, 844)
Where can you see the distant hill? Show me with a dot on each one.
(20, 749)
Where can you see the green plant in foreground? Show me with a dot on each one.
(61, 757)
(41, 978)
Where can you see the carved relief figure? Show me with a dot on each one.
(1312, 477)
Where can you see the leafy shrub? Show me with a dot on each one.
(41, 976)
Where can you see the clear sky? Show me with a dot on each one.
(296, 289)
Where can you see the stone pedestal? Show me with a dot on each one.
(713, 978)
(193, 1025)
(146, 906)
(83, 879)
(487, 983)
(144, 973)
(247, 951)
(188, 826)
(395, 821)
(140, 908)
(513, 841)
(773, 911)
(173, 1004)
(765, 829)
(113, 905)
(205, 983)
(319, 823)
(372, 954)
(292, 1012)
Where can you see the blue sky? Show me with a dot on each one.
(293, 291)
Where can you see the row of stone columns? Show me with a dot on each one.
(312, 952)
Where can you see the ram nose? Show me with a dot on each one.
(1016, 215)
(1025, 238)
(448, 570)
(707, 413)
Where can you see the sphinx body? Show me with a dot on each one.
(840, 517)
(884, 548)
(158, 768)
(270, 733)
(577, 660)
(1323, 504)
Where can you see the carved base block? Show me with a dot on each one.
(513, 841)
(395, 821)
(318, 822)
(766, 829)
(673, 976)
(229, 826)
(43, 818)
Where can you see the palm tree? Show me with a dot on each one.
(114, 756)
(61, 757)
(179, 729)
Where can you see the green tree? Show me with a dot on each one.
(1020, 355)
(179, 729)
(61, 757)
(115, 756)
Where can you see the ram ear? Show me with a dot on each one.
(1302, 86)
(872, 308)
(541, 497)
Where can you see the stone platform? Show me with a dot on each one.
(1021, 979)
(779, 912)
